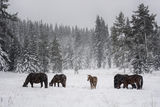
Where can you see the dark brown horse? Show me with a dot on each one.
(120, 79)
(134, 79)
(36, 78)
(61, 78)
(93, 81)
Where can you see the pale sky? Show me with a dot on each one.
(78, 12)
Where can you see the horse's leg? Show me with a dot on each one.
(95, 85)
(123, 85)
(64, 83)
(31, 84)
(46, 84)
(138, 85)
(118, 85)
(58, 84)
(91, 84)
(133, 85)
(54, 84)
(41, 84)
(126, 85)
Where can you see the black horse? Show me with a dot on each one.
(121, 79)
(61, 78)
(36, 78)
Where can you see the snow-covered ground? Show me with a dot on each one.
(78, 92)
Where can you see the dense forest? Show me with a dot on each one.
(132, 43)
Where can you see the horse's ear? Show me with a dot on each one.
(89, 75)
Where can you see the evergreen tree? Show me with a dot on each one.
(3, 63)
(33, 42)
(14, 54)
(55, 56)
(143, 26)
(118, 36)
(99, 39)
(5, 33)
(77, 50)
(43, 50)
(68, 57)
(107, 49)
(15, 48)
(28, 60)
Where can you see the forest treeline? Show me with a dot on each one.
(29, 46)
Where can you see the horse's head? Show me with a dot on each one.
(115, 84)
(50, 84)
(53, 81)
(89, 77)
(25, 84)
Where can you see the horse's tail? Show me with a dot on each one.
(46, 81)
(95, 82)
(141, 82)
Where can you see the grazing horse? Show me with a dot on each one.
(93, 81)
(36, 78)
(61, 78)
(120, 79)
(134, 79)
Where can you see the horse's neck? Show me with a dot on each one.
(90, 79)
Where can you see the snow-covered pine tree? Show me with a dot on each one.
(4, 33)
(143, 26)
(43, 50)
(118, 37)
(55, 56)
(14, 54)
(156, 49)
(3, 60)
(68, 56)
(77, 50)
(29, 61)
(99, 39)
(107, 50)
(15, 48)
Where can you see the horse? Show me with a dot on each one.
(134, 79)
(120, 79)
(61, 78)
(93, 81)
(36, 78)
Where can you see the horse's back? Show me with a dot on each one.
(38, 77)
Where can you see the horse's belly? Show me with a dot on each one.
(36, 81)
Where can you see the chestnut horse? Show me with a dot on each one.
(36, 78)
(134, 79)
(93, 81)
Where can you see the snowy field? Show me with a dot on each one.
(78, 92)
